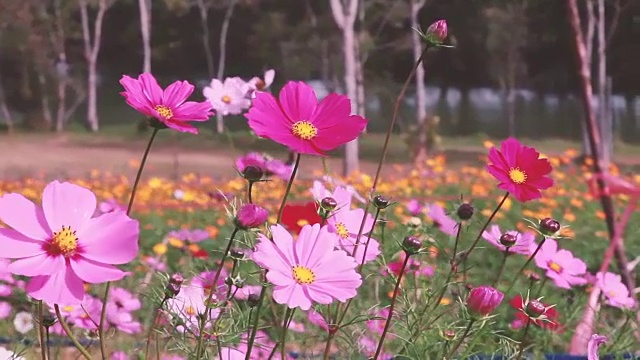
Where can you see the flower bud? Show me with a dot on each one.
(250, 216)
(465, 211)
(411, 245)
(534, 277)
(176, 279)
(228, 281)
(237, 254)
(483, 300)
(328, 203)
(535, 309)
(549, 226)
(172, 290)
(49, 320)
(508, 239)
(449, 334)
(252, 173)
(437, 32)
(253, 300)
(381, 202)
(238, 282)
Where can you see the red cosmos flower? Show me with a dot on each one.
(520, 170)
(294, 217)
(551, 322)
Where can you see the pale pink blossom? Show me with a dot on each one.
(228, 97)
(614, 290)
(525, 242)
(443, 221)
(562, 267)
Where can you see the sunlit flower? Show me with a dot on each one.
(168, 106)
(60, 245)
(228, 98)
(562, 267)
(614, 290)
(520, 170)
(308, 269)
(523, 245)
(345, 224)
(303, 124)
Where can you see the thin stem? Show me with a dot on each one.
(285, 326)
(502, 265)
(459, 343)
(103, 313)
(47, 341)
(524, 334)
(542, 284)
(153, 324)
(72, 337)
(205, 318)
(366, 246)
(327, 346)
(622, 331)
(249, 192)
(391, 307)
(453, 268)
(525, 265)
(484, 227)
(289, 184)
(41, 329)
(254, 329)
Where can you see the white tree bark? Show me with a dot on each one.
(590, 31)
(44, 99)
(91, 51)
(223, 56)
(421, 91)
(145, 29)
(62, 66)
(345, 17)
(203, 8)
(605, 123)
(4, 108)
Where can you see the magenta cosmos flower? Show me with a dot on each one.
(443, 221)
(520, 170)
(308, 269)
(298, 121)
(483, 300)
(562, 267)
(61, 246)
(169, 106)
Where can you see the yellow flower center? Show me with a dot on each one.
(164, 111)
(302, 222)
(226, 99)
(190, 310)
(555, 267)
(342, 230)
(65, 241)
(517, 176)
(304, 130)
(303, 275)
(67, 308)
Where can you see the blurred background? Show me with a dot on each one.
(513, 69)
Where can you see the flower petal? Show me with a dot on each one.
(293, 296)
(67, 204)
(39, 265)
(192, 111)
(24, 216)
(15, 245)
(151, 89)
(298, 101)
(62, 288)
(95, 273)
(176, 93)
(111, 238)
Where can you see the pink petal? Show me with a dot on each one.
(95, 273)
(180, 126)
(38, 265)
(298, 101)
(135, 95)
(510, 149)
(267, 120)
(341, 291)
(62, 288)
(16, 245)
(313, 244)
(279, 278)
(497, 160)
(341, 133)
(193, 111)
(284, 241)
(67, 204)
(331, 111)
(176, 93)
(111, 238)
(293, 296)
(320, 294)
(24, 216)
(269, 257)
(151, 89)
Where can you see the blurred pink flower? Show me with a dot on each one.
(192, 236)
(110, 205)
(341, 195)
(169, 106)
(60, 245)
(413, 266)
(231, 354)
(189, 305)
(345, 225)
(525, 242)
(414, 207)
(303, 124)
(5, 309)
(84, 316)
(119, 355)
(308, 269)
(204, 280)
(259, 84)
(377, 325)
(562, 267)
(269, 165)
(593, 345)
(119, 307)
(614, 290)
(155, 264)
(317, 319)
(369, 346)
(442, 221)
(228, 97)
(244, 292)
(262, 347)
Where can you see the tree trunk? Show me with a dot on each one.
(421, 91)
(206, 37)
(605, 128)
(6, 113)
(91, 50)
(361, 99)
(345, 19)
(44, 98)
(590, 31)
(62, 67)
(145, 29)
(223, 56)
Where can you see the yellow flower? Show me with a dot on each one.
(160, 249)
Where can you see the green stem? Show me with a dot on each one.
(524, 334)
(474, 340)
(622, 331)
(285, 326)
(391, 307)
(289, 184)
(214, 287)
(542, 284)
(103, 313)
(459, 342)
(152, 326)
(525, 266)
(254, 329)
(41, 329)
(72, 337)
(502, 265)
(453, 268)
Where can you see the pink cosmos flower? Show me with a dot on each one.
(191, 236)
(262, 347)
(5, 309)
(614, 290)
(169, 106)
(377, 324)
(119, 307)
(189, 305)
(260, 84)
(204, 280)
(308, 269)
(60, 245)
(593, 345)
(228, 97)
(414, 207)
(230, 354)
(83, 316)
(520, 170)
(269, 165)
(413, 266)
(525, 242)
(483, 300)
(562, 267)
(244, 292)
(369, 346)
(317, 319)
(299, 122)
(345, 224)
(442, 221)
(341, 195)
(119, 355)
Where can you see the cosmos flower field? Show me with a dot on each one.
(434, 262)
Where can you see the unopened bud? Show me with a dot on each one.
(465, 211)
(411, 245)
(381, 202)
(237, 254)
(508, 239)
(535, 309)
(436, 32)
(549, 226)
(449, 334)
(253, 300)
(172, 290)
(252, 173)
(176, 279)
(328, 203)
(49, 320)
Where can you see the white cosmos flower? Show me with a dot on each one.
(228, 97)
(23, 322)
